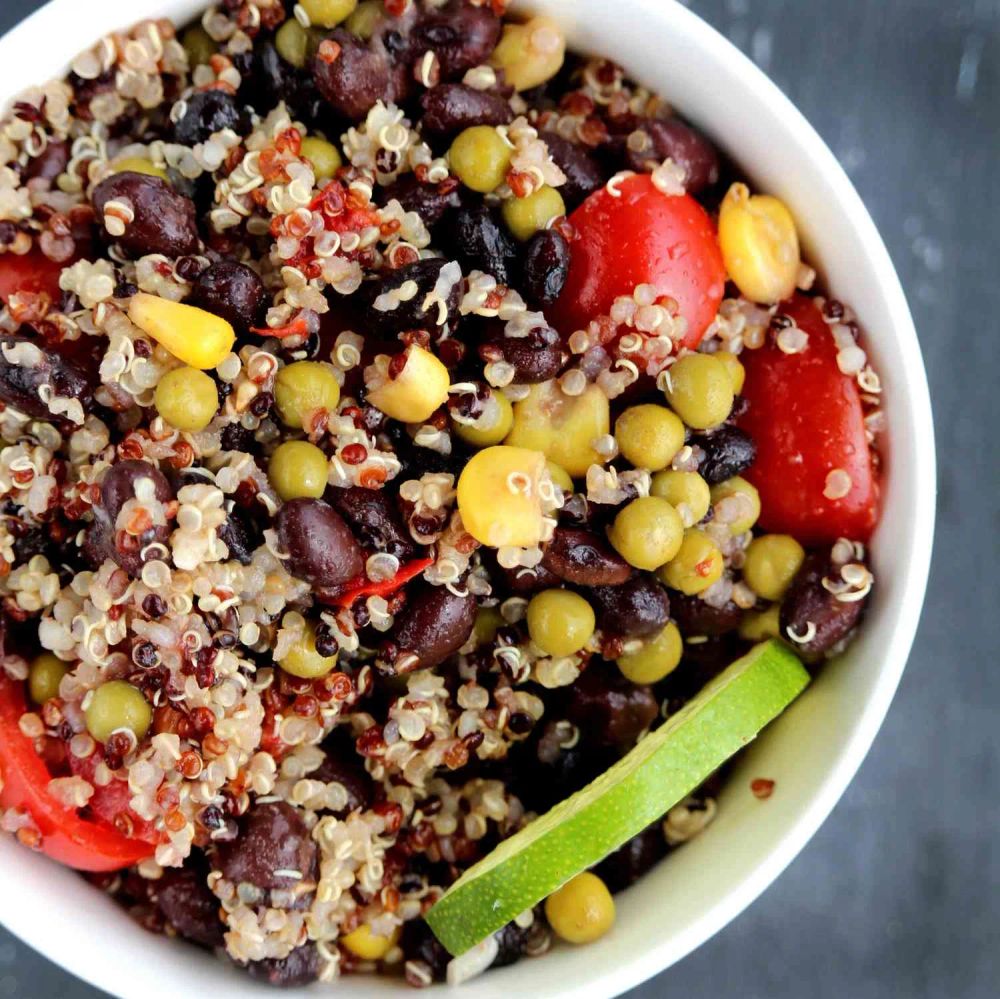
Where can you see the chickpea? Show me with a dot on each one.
(323, 156)
(187, 399)
(44, 676)
(647, 532)
(117, 705)
(700, 390)
(367, 945)
(688, 492)
(192, 335)
(529, 54)
(736, 502)
(649, 436)
(737, 373)
(303, 661)
(582, 910)
(560, 622)
(658, 657)
(758, 626)
(697, 565)
(480, 158)
(526, 216)
(563, 427)
(772, 562)
(199, 45)
(560, 477)
(298, 469)
(140, 164)
(499, 416)
(416, 391)
(328, 13)
(302, 388)
(292, 43)
(499, 496)
(760, 245)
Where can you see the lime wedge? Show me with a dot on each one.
(637, 790)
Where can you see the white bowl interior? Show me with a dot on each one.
(815, 749)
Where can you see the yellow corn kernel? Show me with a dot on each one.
(499, 496)
(497, 421)
(563, 427)
(366, 945)
(192, 335)
(560, 477)
(139, 164)
(416, 392)
(760, 245)
(529, 54)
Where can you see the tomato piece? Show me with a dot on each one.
(806, 419)
(33, 272)
(642, 236)
(111, 801)
(65, 837)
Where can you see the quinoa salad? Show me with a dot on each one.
(402, 419)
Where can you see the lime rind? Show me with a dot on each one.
(640, 788)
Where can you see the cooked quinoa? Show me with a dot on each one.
(342, 698)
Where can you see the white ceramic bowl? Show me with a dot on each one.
(814, 750)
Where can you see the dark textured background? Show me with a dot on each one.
(897, 895)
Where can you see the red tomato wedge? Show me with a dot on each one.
(642, 236)
(65, 836)
(33, 272)
(806, 419)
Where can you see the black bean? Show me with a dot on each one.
(52, 161)
(187, 904)
(525, 581)
(434, 624)
(610, 709)
(233, 291)
(240, 535)
(207, 112)
(809, 605)
(375, 520)
(452, 107)
(270, 80)
(356, 79)
(430, 201)
(409, 315)
(544, 268)
(633, 859)
(686, 147)
(696, 617)
(583, 173)
(301, 967)
(164, 220)
(460, 35)
(480, 242)
(343, 765)
(535, 358)
(236, 437)
(584, 559)
(637, 608)
(20, 384)
(419, 944)
(321, 548)
(511, 941)
(728, 452)
(273, 837)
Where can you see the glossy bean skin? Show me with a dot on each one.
(359, 76)
(609, 708)
(240, 535)
(19, 384)
(233, 291)
(524, 582)
(634, 609)
(375, 520)
(164, 220)
(434, 624)
(729, 451)
(273, 837)
(695, 617)
(342, 764)
(183, 896)
(584, 559)
(270, 79)
(462, 36)
(409, 315)
(544, 268)
(630, 861)
(687, 147)
(584, 174)
(301, 967)
(432, 202)
(451, 107)
(419, 944)
(479, 241)
(809, 603)
(207, 112)
(535, 358)
(321, 548)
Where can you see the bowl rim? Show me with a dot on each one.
(688, 29)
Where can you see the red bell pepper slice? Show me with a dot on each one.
(362, 586)
(84, 844)
(807, 420)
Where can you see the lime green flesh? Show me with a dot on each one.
(662, 769)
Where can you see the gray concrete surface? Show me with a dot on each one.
(896, 897)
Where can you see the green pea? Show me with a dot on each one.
(44, 676)
(647, 532)
(117, 705)
(302, 388)
(298, 469)
(649, 436)
(480, 158)
(700, 390)
(187, 399)
(526, 216)
(560, 622)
